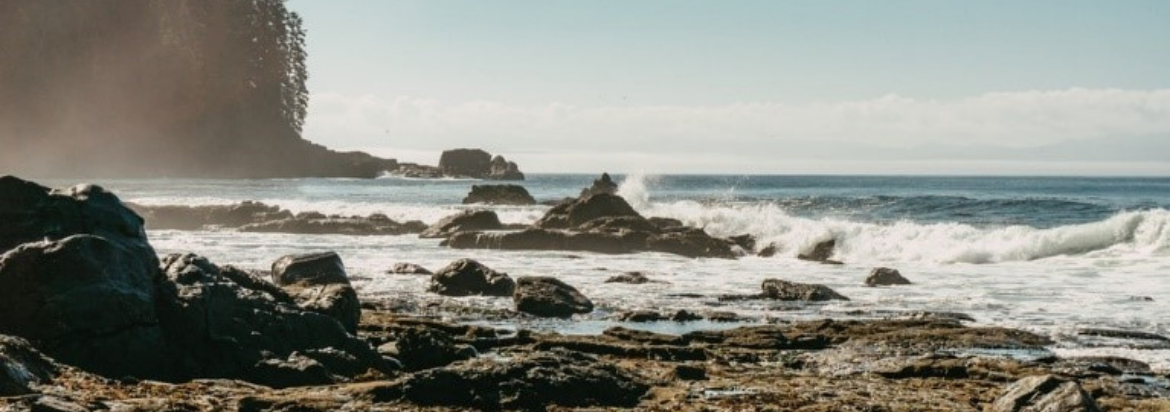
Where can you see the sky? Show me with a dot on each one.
(1065, 87)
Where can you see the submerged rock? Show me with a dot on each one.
(885, 277)
(466, 221)
(315, 224)
(403, 268)
(633, 278)
(785, 290)
(549, 297)
(499, 195)
(465, 277)
(693, 243)
(769, 251)
(822, 252)
(249, 216)
(1046, 393)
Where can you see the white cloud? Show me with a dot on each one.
(724, 137)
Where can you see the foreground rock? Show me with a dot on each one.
(84, 286)
(466, 221)
(549, 297)
(499, 195)
(318, 282)
(258, 217)
(421, 348)
(220, 327)
(1044, 393)
(466, 277)
(530, 382)
(885, 277)
(22, 367)
(77, 278)
(824, 365)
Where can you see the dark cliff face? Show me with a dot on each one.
(148, 88)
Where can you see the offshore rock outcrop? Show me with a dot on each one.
(603, 223)
(477, 164)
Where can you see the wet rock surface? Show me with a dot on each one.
(499, 195)
(549, 297)
(784, 290)
(467, 277)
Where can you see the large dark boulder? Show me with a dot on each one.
(1044, 393)
(785, 290)
(217, 327)
(465, 277)
(32, 213)
(499, 195)
(534, 381)
(77, 278)
(22, 366)
(465, 221)
(549, 297)
(325, 268)
(85, 301)
(318, 282)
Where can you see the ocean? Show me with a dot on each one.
(1048, 254)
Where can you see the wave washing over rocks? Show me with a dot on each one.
(95, 319)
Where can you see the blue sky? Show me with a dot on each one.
(745, 86)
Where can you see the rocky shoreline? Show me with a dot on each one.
(93, 319)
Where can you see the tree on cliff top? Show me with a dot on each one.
(156, 87)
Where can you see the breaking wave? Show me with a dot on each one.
(1145, 232)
